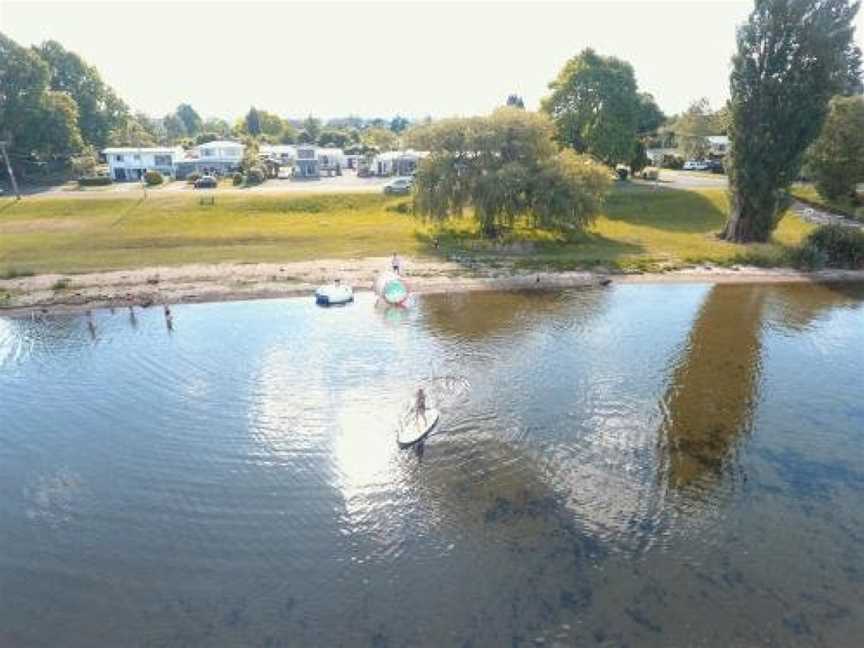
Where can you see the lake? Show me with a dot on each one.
(652, 465)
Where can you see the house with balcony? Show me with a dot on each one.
(213, 158)
(316, 161)
(127, 163)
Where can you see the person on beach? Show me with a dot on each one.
(420, 405)
(396, 264)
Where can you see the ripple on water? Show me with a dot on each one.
(598, 451)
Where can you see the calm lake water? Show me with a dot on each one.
(640, 465)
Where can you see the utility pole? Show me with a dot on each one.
(9, 170)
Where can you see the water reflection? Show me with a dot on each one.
(713, 388)
(488, 316)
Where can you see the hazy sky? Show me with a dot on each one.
(380, 59)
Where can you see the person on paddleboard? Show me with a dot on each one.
(420, 405)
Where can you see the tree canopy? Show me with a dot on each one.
(506, 166)
(693, 126)
(792, 58)
(595, 106)
(399, 124)
(379, 138)
(34, 120)
(99, 109)
(836, 158)
(650, 116)
(312, 127)
(515, 101)
(252, 122)
(192, 122)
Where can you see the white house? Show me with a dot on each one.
(130, 163)
(279, 153)
(216, 158)
(396, 162)
(314, 161)
(718, 145)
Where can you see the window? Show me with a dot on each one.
(162, 160)
(118, 158)
(137, 158)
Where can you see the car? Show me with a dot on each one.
(716, 166)
(206, 182)
(696, 165)
(399, 186)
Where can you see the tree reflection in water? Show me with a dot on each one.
(713, 388)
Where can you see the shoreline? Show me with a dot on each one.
(242, 281)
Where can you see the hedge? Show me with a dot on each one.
(95, 181)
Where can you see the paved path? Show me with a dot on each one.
(813, 215)
(690, 180)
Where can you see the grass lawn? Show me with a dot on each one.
(641, 227)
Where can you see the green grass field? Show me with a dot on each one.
(640, 227)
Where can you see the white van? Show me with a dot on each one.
(696, 165)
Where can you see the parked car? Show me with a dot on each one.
(716, 166)
(206, 182)
(399, 186)
(696, 165)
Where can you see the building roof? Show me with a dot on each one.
(221, 144)
(398, 155)
(278, 149)
(718, 139)
(114, 150)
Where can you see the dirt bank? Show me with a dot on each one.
(225, 281)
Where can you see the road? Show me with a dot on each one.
(348, 183)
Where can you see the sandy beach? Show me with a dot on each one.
(226, 281)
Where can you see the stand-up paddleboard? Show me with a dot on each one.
(413, 428)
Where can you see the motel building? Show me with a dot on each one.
(128, 163)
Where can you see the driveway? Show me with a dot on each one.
(691, 180)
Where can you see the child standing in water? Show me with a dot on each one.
(396, 264)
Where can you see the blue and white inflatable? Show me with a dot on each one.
(334, 294)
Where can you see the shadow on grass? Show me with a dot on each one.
(555, 250)
(674, 210)
(8, 205)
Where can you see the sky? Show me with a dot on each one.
(380, 59)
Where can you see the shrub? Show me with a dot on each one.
(650, 173)
(237, 179)
(153, 178)
(83, 165)
(95, 181)
(672, 162)
(255, 175)
(835, 246)
(193, 177)
(836, 159)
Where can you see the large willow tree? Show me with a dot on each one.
(793, 56)
(505, 166)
